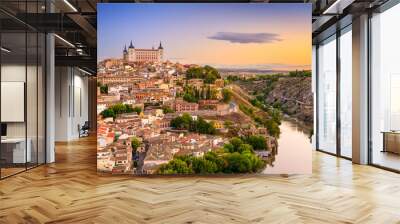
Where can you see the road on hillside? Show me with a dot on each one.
(242, 97)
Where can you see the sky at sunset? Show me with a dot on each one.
(264, 36)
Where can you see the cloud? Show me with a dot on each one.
(246, 38)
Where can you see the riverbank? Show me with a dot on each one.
(294, 151)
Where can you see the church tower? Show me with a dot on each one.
(131, 53)
(125, 54)
(160, 52)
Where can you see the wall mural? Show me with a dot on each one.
(204, 88)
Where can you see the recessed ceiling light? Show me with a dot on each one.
(5, 50)
(64, 40)
(70, 5)
(337, 7)
(86, 72)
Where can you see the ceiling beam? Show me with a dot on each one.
(90, 31)
(76, 61)
(337, 7)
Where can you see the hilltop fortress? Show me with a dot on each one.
(133, 54)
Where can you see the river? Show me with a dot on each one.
(294, 155)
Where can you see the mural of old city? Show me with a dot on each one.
(204, 89)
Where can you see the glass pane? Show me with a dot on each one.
(41, 98)
(31, 98)
(327, 96)
(13, 86)
(22, 88)
(346, 93)
(385, 115)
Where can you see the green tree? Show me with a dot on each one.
(211, 74)
(217, 159)
(276, 115)
(233, 78)
(247, 110)
(175, 166)
(104, 89)
(228, 124)
(108, 113)
(272, 127)
(236, 143)
(204, 127)
(182, 122)
(207, 73)
(256, 103)
(300, 73)
(186, 122)
(237, 163)
(138, 110)
(224, 160)
(135, 143)
(204, 166)
(167, 109)
(227, 95)
(255, 162)
(208, 93)
(188, 97)
(119, 108)
(178, 123)
(258, 142)
(194, 73)
(245, 147)
(213, 94)
(187, 118)
(228, 147)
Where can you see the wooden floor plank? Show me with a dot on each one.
(70, 191)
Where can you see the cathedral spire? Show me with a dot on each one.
(160, 47)
(131, 45)
(125, 49)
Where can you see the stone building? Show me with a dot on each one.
(133, 54)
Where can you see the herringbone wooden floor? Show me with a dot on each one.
(70, 191)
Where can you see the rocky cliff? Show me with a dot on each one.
(292, 94)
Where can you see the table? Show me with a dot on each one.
(13, 150)
(391, 141)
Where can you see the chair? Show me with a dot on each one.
(84, 130)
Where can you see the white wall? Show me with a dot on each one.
(80, 105)
(61, 103)
(71, 103)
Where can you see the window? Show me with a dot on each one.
(22, 77)
(385, 89)
(346, 92)
(327, 95)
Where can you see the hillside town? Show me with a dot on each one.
(139, 100)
